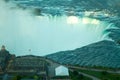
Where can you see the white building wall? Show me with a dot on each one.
(62, 71)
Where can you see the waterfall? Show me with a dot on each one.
(21, 31)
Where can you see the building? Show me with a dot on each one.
(61, 73)
(29, 65)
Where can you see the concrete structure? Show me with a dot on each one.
(29, 65)
(51, 67)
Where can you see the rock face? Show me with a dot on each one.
(4, 57)
(104, 53)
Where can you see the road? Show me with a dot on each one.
(99, 70)
(90, 76)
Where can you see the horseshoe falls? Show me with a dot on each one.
(24, 33)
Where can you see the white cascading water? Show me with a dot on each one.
(24, 34)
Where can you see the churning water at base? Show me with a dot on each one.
(48, 35)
